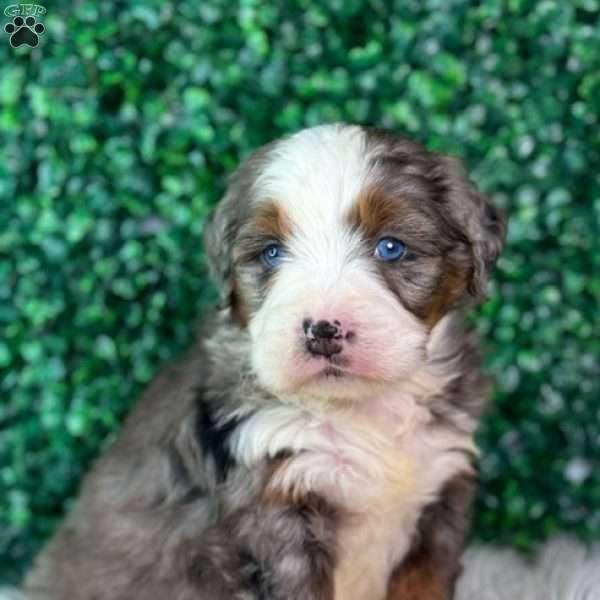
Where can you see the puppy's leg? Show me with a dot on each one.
(269, 552)
(298, 550)
(430, 570)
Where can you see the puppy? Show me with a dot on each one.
(317, 442)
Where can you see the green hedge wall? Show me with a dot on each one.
(117, 132)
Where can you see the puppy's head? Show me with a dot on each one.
(340, 248)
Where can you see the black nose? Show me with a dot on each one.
(325, 330)
(322, 338)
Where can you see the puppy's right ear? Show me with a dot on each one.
(220, 231)
(221, 228)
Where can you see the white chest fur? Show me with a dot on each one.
(382, 462)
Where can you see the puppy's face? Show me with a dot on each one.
(340, 249)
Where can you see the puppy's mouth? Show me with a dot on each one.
(332, 372)
(343, 368)
(335, 367)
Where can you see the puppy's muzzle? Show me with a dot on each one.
(324, 338)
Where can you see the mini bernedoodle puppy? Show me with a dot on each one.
(317, 442)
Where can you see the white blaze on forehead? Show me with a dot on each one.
(316, 177)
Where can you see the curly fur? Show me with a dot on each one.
(258, 468)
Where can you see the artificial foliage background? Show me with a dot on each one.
(116, 136)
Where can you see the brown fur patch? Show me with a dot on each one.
(239, 310)
(453, 287)
(271, 220)
(274, 494)
(268, 224)
(385, 208)
(373, 213)
(417, 581)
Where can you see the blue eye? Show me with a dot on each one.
(272, 255)
(389, 248)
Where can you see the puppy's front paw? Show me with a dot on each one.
(293, 550)
(267, 552)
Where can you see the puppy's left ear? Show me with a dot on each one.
(483, 224)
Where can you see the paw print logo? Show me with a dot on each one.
(24, 31)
